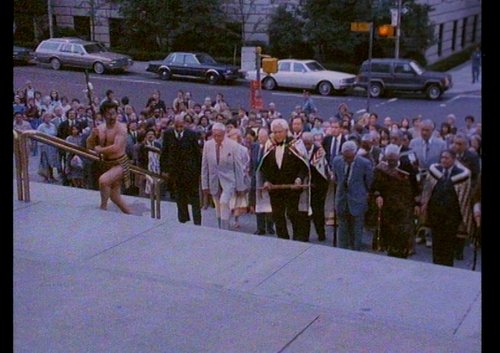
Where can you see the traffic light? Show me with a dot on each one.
(270, 65)
(385, 31)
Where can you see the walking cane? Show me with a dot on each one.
(334, 218)
(376, 244)
(476, 243)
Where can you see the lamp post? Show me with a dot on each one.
(398, 30)
(49, 12)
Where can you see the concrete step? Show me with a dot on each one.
(87, 280)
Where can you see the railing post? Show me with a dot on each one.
(158, 195)
(152, 197)
(17, 158)
(24, 159)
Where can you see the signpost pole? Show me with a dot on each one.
(370, 49)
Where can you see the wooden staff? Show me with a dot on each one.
(285, 186)
(90, 89)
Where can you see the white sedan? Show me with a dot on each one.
(305, 74)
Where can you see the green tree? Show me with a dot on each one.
(168, 25)
(328, 23)
(285, 34)
(327, 27)
(150, 24)
(30, 20)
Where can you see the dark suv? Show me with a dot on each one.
(402, 75)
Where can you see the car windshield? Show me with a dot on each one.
(205, 59)
(417, 68)
(95, 48)
(315, 66)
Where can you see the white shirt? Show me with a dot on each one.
(280, 150)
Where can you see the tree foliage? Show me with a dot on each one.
(285, 35)
(328, 26)
(174, 24)
(327, 29)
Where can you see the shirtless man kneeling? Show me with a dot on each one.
(109, 141)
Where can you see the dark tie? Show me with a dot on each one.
(334, 150)
(446, 174)
(346, 178)
(426, 150)
(217, 152)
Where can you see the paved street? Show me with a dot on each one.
(463, 99)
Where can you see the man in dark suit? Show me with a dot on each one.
(353, 175)
(180, 160)
(332, 143)
(283, 164)
(319, 183)
(446, 203)
(470, 160)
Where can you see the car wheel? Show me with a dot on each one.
(269, 83)
(55, 63)
(433, 92)
(212, 78)
(325, 88)
(99, 68)
(376, 90)
(165, 75)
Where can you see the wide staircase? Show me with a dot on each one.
(87, 280)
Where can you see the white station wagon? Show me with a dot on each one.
(305, 74)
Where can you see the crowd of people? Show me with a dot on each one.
(401, 180)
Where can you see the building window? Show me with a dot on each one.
(474, 29)
(454, 35)
(464, 32)
(440, 39)
(82, 26)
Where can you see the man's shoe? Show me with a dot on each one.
(270, 231)
(259, 232)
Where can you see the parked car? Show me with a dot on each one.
(402, 75)
(194, 65)
(305, 74)
(75, 52)
(22, 55)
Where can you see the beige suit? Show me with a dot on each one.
(222, 179)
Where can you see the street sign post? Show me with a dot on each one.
(256, 101)
(366, 27)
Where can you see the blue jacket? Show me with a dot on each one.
(352, 197)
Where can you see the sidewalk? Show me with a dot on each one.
(462, 79)
(86, 280)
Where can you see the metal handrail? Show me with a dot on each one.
(22, 168)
